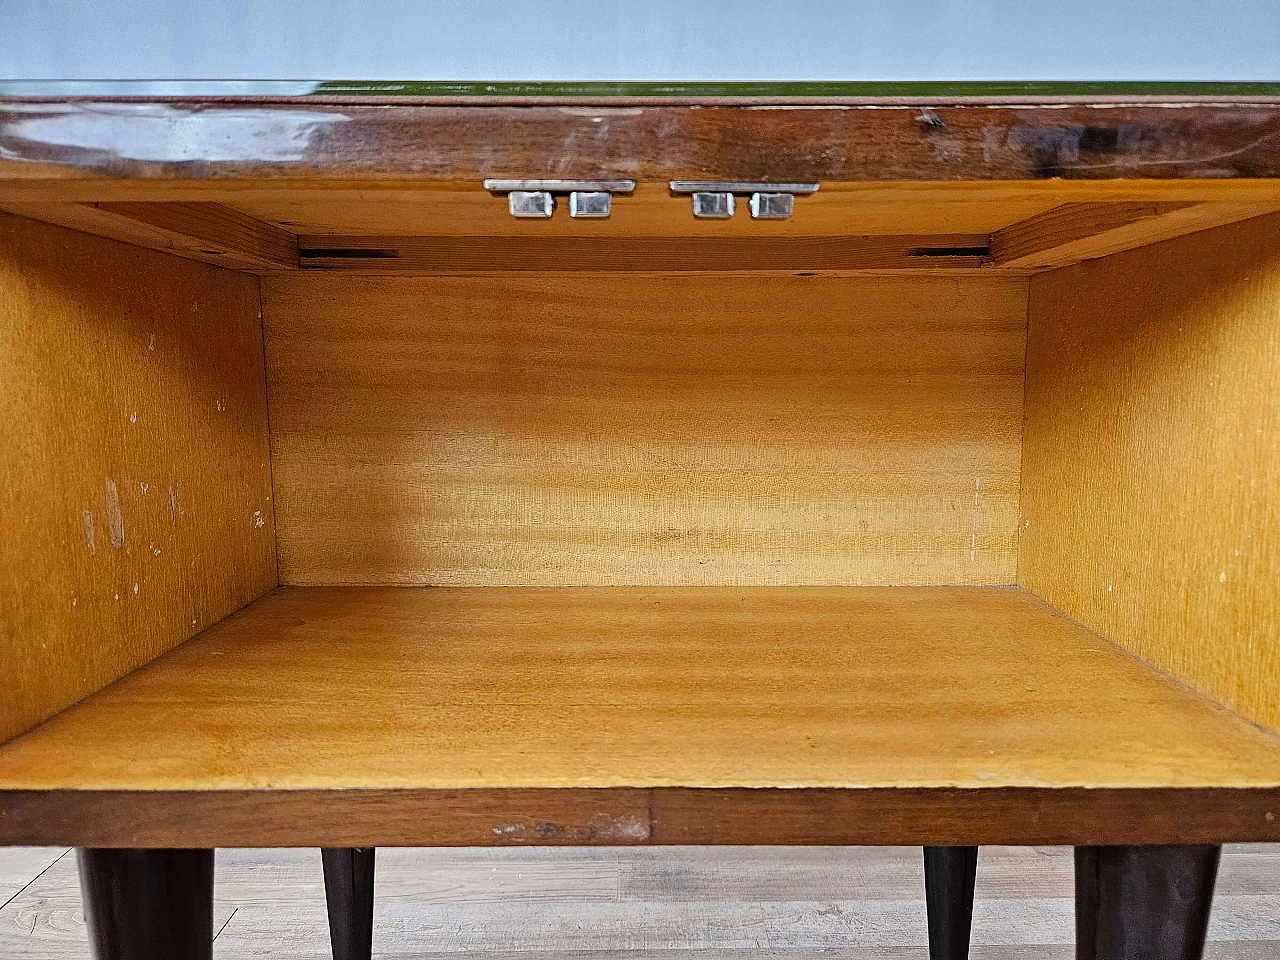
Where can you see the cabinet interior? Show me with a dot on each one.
(708, 475)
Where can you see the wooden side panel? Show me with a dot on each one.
(645, 430)
(134, 475)
(1151, 486)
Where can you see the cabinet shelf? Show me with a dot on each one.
(794, 714)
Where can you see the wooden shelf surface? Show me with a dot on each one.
(518, 693)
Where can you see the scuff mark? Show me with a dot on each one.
(258, 520)
(175, 507)
(973, 535)
(133, 417)
(87, 519)
(546, 831)
(115, 519)
(507, 829)
(144, 487)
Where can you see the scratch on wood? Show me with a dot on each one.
(115, 519)
(87, 519)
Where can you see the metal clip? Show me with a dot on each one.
(712, 206)
(772, 206)
(590, 203)
(531, 204)
(769, 201)
(536, 198)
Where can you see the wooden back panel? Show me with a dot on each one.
(135, 487)
(1151, 468)
(645, 429)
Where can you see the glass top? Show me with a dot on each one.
(580, 90)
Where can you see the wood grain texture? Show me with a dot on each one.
(596, 255)
(136, 497)
(1151, 484)
(1039, 240)
(464, 208)
(635, 430)
(611, 715)
(870, 143)
(208, 232)
(1087, 231)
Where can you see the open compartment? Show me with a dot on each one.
(368, 515)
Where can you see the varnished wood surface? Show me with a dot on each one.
(135, 502)
(638, 904)
(586, 715)
(633, 430)
(804, 142)
(208, 232)
(1039, 240)
(1151, 482)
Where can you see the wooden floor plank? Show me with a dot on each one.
(589, 904)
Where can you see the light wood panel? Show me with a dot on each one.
(651, 211)
(135, 506)
(635, 430)
(1040, 240)
(1086, 231)
(1151, 486)
(562, 708)
(208, 232)
(594, 255)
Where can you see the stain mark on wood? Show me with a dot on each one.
(115, 518)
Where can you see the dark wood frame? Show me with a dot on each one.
(625, 816)
(977, 140)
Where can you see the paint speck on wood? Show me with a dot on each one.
(115, 518)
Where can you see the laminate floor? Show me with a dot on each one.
(732, 903)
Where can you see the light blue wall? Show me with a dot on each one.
(633, 40)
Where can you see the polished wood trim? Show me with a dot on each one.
(762, 142)
(471, 256)
(940, 816)
(209, 232)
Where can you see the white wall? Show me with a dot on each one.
(631, 39)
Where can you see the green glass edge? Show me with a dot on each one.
(911, 88)
(919, 89)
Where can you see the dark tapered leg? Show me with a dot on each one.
(1144, 903)
(949, 874)
(148, 904)
(348, 886)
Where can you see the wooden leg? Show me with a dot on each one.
(148, 904)
(1144, 903)
(949, 874)
(348, 886)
